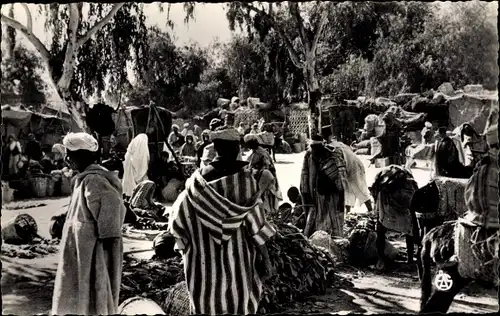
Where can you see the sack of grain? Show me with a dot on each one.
(251, 102)
(323, 239)
(7, 193)
(223, 103)
(263, 106)
(171, 191)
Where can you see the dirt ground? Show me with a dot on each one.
(27, 284)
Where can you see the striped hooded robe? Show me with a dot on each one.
(218, 226)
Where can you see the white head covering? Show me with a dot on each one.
(234, 99)
(80, 141)
(136, 163)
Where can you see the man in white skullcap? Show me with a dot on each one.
(91, 251)
(217, 220)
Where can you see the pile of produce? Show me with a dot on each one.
(39, 247)
(149, 223)
(302, 269)
(150, 278)
(359, 220)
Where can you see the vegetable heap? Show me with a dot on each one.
(150, 278)
(302, 269)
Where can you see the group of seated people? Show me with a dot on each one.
(195, 144)
(32, 160)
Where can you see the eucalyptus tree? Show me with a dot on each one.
(300, 26)
(88, 43)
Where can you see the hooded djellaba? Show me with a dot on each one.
(89, 272)
(221, 231)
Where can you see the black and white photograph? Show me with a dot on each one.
(243, 158)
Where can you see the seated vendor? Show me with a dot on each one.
(163, 170)
(189, 148)
(47, 164)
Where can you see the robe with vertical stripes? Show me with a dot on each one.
(218, 226)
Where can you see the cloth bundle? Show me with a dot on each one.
(451, 197)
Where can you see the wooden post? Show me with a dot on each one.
(332, 119)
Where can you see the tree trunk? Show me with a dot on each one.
(313, 96)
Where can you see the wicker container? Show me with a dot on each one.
(65, 186)
(39, 186)
(177, 302)
(51, 185)
(20, 230)
(297, 147)
(139, 306)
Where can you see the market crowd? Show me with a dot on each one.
(220, 215)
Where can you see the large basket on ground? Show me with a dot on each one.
(39, 185)
(20, 230)
(51, 185)
(65, 186)
(177, 302)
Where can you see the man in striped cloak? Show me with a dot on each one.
(221, 231)
(322, 185)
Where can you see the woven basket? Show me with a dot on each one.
(65, 186)
(51, 184)
(20, 230)
(39, 186)
(177, 302)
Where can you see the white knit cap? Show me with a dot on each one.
(80, 141)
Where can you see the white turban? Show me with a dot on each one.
(230, 134)
(80, 141)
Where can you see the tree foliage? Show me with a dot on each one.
(21, 77)
(89, 44)
(169, 73)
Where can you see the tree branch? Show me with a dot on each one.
(294, 11)
(293, 53)
(99, 25)
(35, 41)
(29, 23)
(319, 30)
(70, 56)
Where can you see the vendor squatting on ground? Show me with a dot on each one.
(219, 219)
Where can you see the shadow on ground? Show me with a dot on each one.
(27, 287)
